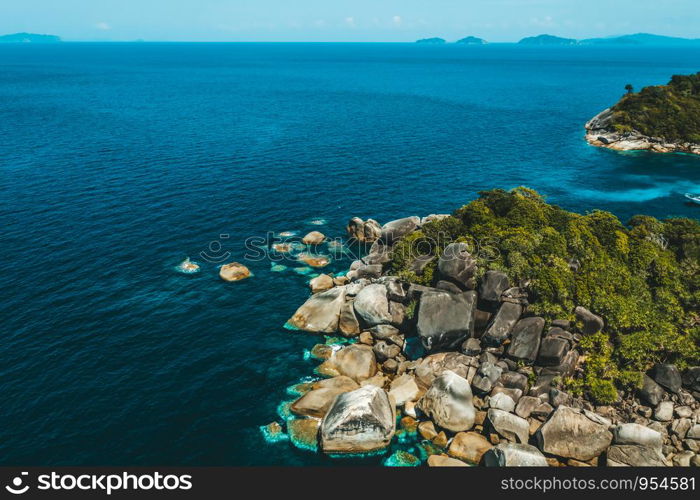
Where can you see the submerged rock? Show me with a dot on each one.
(448, 402)
(321, 312)
(233, 272)
(314, 260)
(359, 421)
(313, 238)
(303, 432)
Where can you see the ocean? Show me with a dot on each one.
(118, 161)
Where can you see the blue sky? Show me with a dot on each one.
(345, 20)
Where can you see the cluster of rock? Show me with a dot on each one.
(601, 132)
(486, 387)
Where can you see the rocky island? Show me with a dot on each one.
(434, 40)
(661, 119)
(471, 40)
(547, 40)
(509, 333)
(29, 38)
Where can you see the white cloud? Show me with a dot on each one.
(396, 20)
(350, 21)
(103, 26)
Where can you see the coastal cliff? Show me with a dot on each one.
(510, 333)
(660, 119)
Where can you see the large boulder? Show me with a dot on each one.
(493, 284)
(444, 461)
(525, 341)
(445, 319)
(321, 312)
(651, 393)
(668, 376)
(314, 238)
(571, 433)
(397, 229)
(691, 378)
(448, 402)
(486, 376)
(348, 324)
(316, 402)
(502, 324)
(234, 272)
(372, 305)
(469, 446)
(514, 455)
(356, 361)
(321, 283)
(552, 351)
(403, 389)
(435, 365)
(363, 231)
(508, 426)
(637, 434)
(626, 455)
(359, 421)
(456, 264)
(591, 322)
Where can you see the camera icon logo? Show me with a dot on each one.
(16, 487)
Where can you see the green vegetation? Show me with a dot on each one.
(669, 111)
(643, 278)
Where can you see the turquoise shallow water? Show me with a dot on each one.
(117, 161)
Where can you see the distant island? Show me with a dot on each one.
(548, 40)
(29, 38)
(662, 118)
(434, 40)
(472, 40)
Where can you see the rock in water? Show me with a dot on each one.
(316, 402)
(321, 283)
(397, 229)
(359, 421)
(514, 455)
(502, 324)
(570, 433)
(364, 231)
(356, 361)
(525, 341)
(314, 238)
(372, 305)
(456, 264)
(233, 272)
(448, 402)
(304, 433)
(493, 284)
(321, 312)
(445, 319)
(591, 322)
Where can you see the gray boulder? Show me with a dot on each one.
(445, 320)
(501, 401)
(591, 322)
(664, 411)
(508, 426)
(448, 286)
(552, 351)
(321, 312)
(691, 379)
(668, 376)
(456, 264)
(651, 392)
(359, 421)
(486, 376)
(638, 435)
(502, 324)
(448, 402)
(435, 365)
(514, 455)
(493, 284)
(570, 433)
(419, 264)
(372, 305)
(397, 229)
(525, 341)
(626, 455)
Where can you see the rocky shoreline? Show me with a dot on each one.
(601, 133)
(469, 372)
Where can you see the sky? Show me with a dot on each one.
(345, 20)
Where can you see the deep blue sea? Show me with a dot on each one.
(117, 161)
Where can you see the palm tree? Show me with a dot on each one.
(629, 88)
